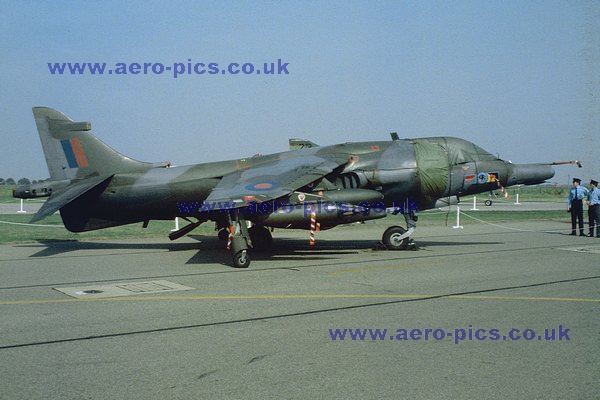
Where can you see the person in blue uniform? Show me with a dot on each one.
(593, 202)
(577, 195)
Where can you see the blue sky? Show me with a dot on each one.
(521, 79)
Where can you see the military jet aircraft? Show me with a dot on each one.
(95, 187)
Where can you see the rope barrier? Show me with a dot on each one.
(514, 229)
(23, 224)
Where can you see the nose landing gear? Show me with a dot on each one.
(398, 238)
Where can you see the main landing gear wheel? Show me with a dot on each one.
(241, 259)
(223, 234)
(488, 203)
(261, 238)
(391, 238)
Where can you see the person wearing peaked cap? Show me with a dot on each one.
(593, 202)
(577, 195)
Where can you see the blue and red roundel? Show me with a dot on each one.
(261, 186)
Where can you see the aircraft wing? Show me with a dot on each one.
(271, 180)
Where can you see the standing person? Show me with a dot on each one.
(575, 205)
(593, 202)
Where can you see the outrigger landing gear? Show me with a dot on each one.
(239, 241)
(398, 238)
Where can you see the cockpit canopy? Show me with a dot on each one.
(462, 151)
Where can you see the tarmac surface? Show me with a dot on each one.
(183, 324)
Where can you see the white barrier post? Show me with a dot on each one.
(474, 204)
(516, 203)
(176, 225)
(458, 225)
(21, 211)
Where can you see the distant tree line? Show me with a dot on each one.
(22, 181)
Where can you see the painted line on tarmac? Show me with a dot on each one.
(300, 297)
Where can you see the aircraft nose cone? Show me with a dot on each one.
(530, 174)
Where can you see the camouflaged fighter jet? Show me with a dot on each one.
(95, 187)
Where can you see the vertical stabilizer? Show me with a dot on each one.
(72, 151)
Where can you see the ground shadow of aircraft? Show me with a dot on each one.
(208, 249)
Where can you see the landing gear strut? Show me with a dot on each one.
(398, 238)
(257, 237)
(239, 241)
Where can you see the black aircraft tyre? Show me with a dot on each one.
(241, 259)
(391, 238)
(488, 203)
(223, 234)
(261, 238)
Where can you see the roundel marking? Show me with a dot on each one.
(261, 186)
(482, 178)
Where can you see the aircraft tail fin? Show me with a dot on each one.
(72, 151)
(297, 144)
